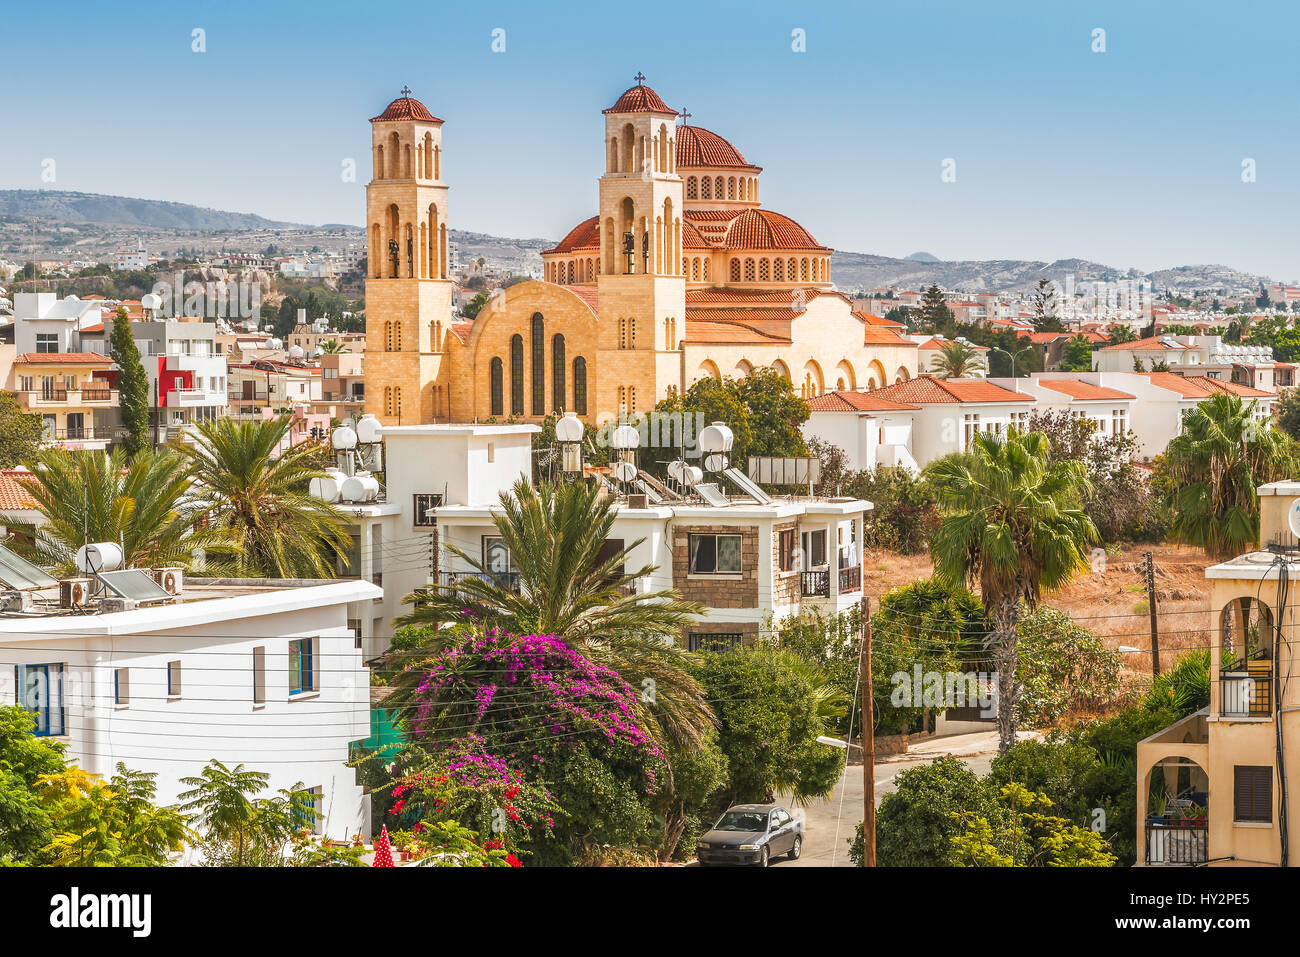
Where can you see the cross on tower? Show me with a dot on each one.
(640, 78)
(406, 90)
(686, 117)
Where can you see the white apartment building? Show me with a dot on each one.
(266, 674)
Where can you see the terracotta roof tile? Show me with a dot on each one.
(856, 402)
(1078, 389)
(406, 108)
(585, 235)
(1149, 344)
(927, 390)
(640, 99)
(697, 146)
(69, 358)
(701, 330)
(14, 496)
(764, 229)
(883, 336)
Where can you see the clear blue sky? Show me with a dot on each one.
(1130, 157)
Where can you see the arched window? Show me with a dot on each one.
(692, 188)
(749, 270)
(717, 188)
(496, 385)
(764, 273)
(778, 270)
(706, 270)
(731, 187)
(557, 372)
(706, 188)
(803, 269)
(516, 374)
(580, 385)
(735, 270)
(539, 364)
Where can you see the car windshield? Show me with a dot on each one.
(742, 821)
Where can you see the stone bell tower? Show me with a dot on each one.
(408, 289)
(642, 287)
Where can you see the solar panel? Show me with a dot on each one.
(741, 479)
(19, 573)
(136, 584)
(712, 494)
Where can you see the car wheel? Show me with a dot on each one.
(763, 854)
(796, 848)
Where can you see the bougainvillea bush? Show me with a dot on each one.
(462, 782)
(567, 725)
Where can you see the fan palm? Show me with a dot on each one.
(1011, 521)
(261, 496)
(332, 347)
(148, 507)
(570, 585)
(956, 360)
(1213, 468)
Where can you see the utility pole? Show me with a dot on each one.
(868, 743)
(1151, 607)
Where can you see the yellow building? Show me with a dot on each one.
(72, 392)
(1216, 787)
(680, 275)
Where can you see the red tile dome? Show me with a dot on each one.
(406, 107)
(697, 146)
(764, 229)
(585, 235)
(641, 99)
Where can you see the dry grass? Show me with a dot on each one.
(1111, 602)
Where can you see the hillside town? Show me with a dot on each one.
(654, 545)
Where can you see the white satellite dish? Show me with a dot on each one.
(677, 471)
(1293, 518)
(624, 471)
(715, 463)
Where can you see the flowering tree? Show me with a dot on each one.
(570, 727)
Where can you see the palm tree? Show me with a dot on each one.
(261, 496)
(569, 584)
(1213, 468)
(239, 829)
(332, 347)
(148, 507)
(956, 360)
(1012, 522)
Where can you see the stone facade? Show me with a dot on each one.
(717, 591)
(785, 585)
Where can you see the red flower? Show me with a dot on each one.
(513, 861)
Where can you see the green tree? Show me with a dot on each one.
(1077, 355)
(1012, 522)
(1212, 469)
(472, 308)
(934, 314)
(25, 819)
(573, 583)
(956, 360)
(1288, 413)
(239, 829)
(20, 433)
(333, 347)
(768, 707)
(132, 385)
(259, 494)
(147, 506)
(1036, 838)
(776, 414)
(1045, 306)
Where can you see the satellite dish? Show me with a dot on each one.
(624, 471)
(1293, 517)
(677, 471)
(715, 462)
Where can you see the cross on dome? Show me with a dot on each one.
(640, 78)
(406, 90)
(686, 116)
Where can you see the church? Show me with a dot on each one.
(681, 274)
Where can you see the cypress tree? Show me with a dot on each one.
(132, 384)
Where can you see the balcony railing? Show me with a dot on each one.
(1245, 695)
(1176, 843)
(96, 395)
(815, 584)
(507, 580)
(85, 434)
(851, 579)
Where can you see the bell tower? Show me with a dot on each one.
(641, 285)
(408, 289)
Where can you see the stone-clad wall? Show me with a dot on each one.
(717, 591)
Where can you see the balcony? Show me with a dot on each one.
(75, 438)
(507, 580)
(851, 579)
(815, 584)
(1246, 691)
(72, 398)
(1177, 843)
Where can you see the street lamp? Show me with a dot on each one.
(1012, 357)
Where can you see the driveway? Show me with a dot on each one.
(842, 811)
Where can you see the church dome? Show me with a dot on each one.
(764, 229)
(406, 107)
(641, 99)
(585, 235)
(697, 147)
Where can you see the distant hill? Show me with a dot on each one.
(923, 257)
(68, 206)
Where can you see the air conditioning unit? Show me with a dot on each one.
(75, 592)
(16, 601)
(171, 578)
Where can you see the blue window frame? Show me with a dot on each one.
(302, 672)
(40, 691)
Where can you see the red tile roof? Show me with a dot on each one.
(874, 320)
(927, 390)
(640, 99)
(764, 229)
(406, 108)
(14, 496)
(587, 294)
(855, 402)
(1149, 344)
(70, 358)
(883, 336)
(697, 146)
(1201, 386)
(1078, 389)
(585, 235)
(935, 342)
(703, 330)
